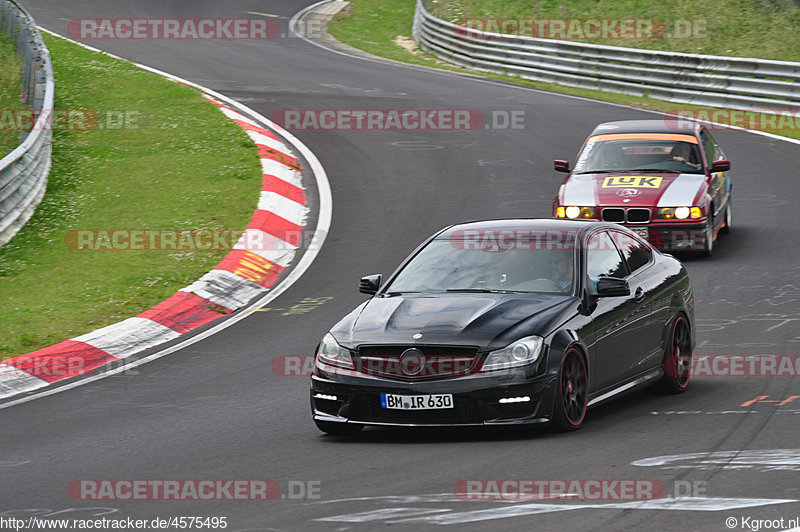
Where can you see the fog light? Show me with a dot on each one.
(326, 397)
(505, 400)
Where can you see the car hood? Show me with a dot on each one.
(641, 189)
(489, 320)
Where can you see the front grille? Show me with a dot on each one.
(465, 410)
(633, 215)
(613, 215)
(419, 361)
(638, 216)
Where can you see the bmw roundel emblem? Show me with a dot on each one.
(628, 193)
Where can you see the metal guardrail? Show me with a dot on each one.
(23, 172)
(706, 80)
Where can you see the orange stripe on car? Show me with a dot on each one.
(645, 136)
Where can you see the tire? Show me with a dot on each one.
(677, 363)
(708, 245)
(728, 217)
(569, 405)
(339, 429)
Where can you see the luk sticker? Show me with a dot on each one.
(636, 181)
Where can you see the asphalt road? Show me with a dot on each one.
(217, 410)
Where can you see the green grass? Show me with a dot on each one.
(374, 26)
(10, 90)
(179, 165)
(767, 29)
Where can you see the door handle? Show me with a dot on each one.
(639, 294)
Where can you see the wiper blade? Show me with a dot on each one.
(601, 172)
(654, 170)
(400, 292)
(479, 290)
(487, 291)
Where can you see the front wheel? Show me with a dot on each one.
(728, 217)
(677, 359)
(708, 245)
(569, 407)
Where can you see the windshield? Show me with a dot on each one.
(457, 265)
(640, 155)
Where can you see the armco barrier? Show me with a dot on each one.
(23, 172)
(714, 81)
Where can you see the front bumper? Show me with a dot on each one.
(476, 400)
(674, 236)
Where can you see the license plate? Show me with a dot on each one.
(434, 401)
(641, 232)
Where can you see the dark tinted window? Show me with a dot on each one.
(492, 260)
(602, 258)
(709, 146)
(636, 253)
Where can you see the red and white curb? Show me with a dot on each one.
(267, 247)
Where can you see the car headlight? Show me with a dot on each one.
(330, 352)
(522, 352)
(679, 213)
(573, 211)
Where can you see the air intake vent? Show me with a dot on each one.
(613, 215)
(638, 216)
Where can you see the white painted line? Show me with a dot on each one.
(382, 514)
(401, 499)
(320, 234)
(225, 289)
(281, 171)
(128, 337)
(761, 459)
(502, 512)
(698, 504)
(14, 381)
(282, 206)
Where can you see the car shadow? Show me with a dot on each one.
(607, 417)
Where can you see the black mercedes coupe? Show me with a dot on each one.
(508, 322)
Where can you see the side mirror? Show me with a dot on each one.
(720, 166)
(612, 287)
(561, 166)
(370, 284)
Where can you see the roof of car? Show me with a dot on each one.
(520, 224)
(663, 125)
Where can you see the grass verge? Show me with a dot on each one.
(384, 29)
(159, 157)
(10, 85)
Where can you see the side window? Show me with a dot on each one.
(603, 259)
(637, 254)
(709, 147)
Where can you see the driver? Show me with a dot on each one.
(561, 268)
(682, 152)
